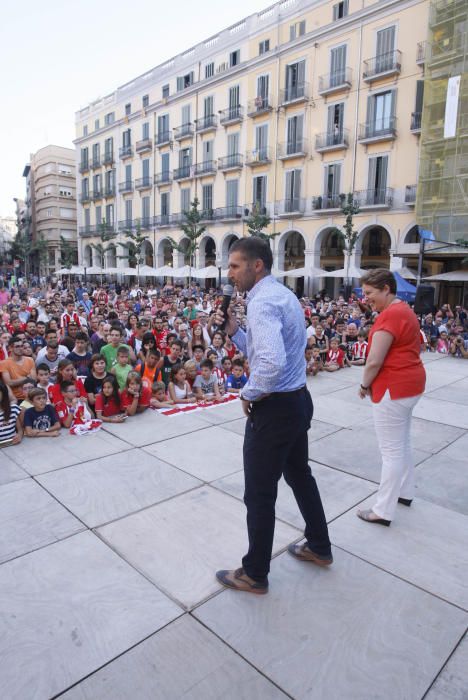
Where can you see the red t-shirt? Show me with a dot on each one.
(55, 392)
(111, 408)
(402, 372)
(336, 357)
(126, 399)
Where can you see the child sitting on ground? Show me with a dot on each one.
(135, 398)
(360, 349)
(121, 369)
(335, 357)
(107, 404)
(158, 396)
(316, 364)
(179, 389)
(40, 420)
(237, 379)
(206, 383)
(73, 412)
(213, 356)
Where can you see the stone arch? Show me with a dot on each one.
(164, 254)
(291, 249)
(374, 246)
(87, 256)
(111, 256)
(147, 254)
(224, 246)
(96, 258)
(207, 251)
(411, 234)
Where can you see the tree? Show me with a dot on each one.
(349, 208)
(258, 220)
(106, 234)
(24, 249)
(67, 253)
(137, 243)
(193, 230)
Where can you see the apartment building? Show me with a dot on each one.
(51, 204)
(287, 111)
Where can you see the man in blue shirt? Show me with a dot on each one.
(279, 409)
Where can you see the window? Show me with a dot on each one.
(338, 66)
(66, 213)
(292, 192)
(185, 81)
(377, 180)
(185, 200)
(380, 113)
(295, 77)
(85, 130)
(261, 142)
(98, 215)
(145, 210)
(145, 101)
(85, 186)
(109, 149)
(295, 129)
(165, 164)
(163, 128)
(64, 169)
(165, 90)
(233, 144)
(259, 191)
(234, 58)
(128, 109)
(165, 204)
(84, 159)
(87, 218)
(297, 29)
(127, 138)
(128, 211)
(65, 192)
(234, 100)
(340, 10)
(128, 174)
(97, 184)
(418, 106)
(145, 169)
(110, 181)
(96, 125)
(49, 213)
(185, 159)
(208, 151)
(109, 118)
(207, 198)
(208, 107)
(96, 153)
(263, 89)
(145, 130)
(186, 114)
(110, 214)
(264, 46)
(232, 195)
(335, 119)
(384, 54)
(209, 70)
(332, 182)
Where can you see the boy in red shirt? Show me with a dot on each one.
(335, 357)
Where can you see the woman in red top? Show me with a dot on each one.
(66, 372)
(394, 378)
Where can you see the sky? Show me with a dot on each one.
(58, 56)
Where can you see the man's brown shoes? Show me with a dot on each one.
(239, 581)
(302, 551)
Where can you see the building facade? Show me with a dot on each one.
(287, 111)
(51, 205)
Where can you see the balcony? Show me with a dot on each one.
(421, 53)
(95, 230)
(108, 158)
(378, 130)
(335, 82)
(292, 149)
(379, 198)
(183, 173)
(161, 220)
(144, 145)
(125, 187)
(163, 138)
(144, 183)
(294, 94)
(177, 219)
(97, 195)
(208, 123)
(261, 208)
(207, 215)
(84, 166)
(229, 213)
(164, 178)
(95, 163)
(332, 141)
(258, 106)
(85, 197)
(128, 225)
(258, 156)
(183, 132)
(291, 207)
(410, 195)
(415, 127)
(87, 231)
(109, 191)
(207, 167)
(327, 203)
(126, 152)
(231, 162)
(231, 115)
(146, 223)
(382, 66)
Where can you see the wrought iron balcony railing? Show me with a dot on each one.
(292, 149)
(206, 123)
(332, 140)
(293, 206)
(294, 93)
(126, 186)
(207, 167)
(184, 131)
(126, 151)
(385, 64)
(144, 183)
(231, 115)
(163, 178)
(259, 105)
(144, 145)
(333, 82)
(378, 130)
(258, 156)
(232, 162)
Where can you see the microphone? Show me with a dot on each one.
(228, 291)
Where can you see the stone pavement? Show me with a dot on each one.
(109, 544)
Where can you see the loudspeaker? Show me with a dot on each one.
(424, 301)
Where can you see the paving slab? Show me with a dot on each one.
(37, 456)
(352, 631)
(452, 683)
(445, 412)
(354, 450)
(458, 449)
(444, 480)
(179, 544)
(151, 427)
(456, 392)
(318, 429)
(425, 545)
(339, 492)
(207, 454)
(9, 470)
(31, 518)
(335, 411)
(66, 610)
(183, 660)
(109, 488)
(221, 414)
(433, 437)
(324, 384)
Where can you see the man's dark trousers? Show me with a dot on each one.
(276, 444)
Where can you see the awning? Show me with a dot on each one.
(300, 272)
(454, 276)
(406, 273)
(352, 273)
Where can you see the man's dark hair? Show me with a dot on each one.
(198, 347)
(42, 367)
(238, 363)
(81, 335)
(206, 363)
(254, 248)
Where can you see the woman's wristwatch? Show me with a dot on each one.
(364, 388)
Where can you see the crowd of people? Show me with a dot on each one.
(76, 357)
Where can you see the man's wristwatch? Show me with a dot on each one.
(364, 388)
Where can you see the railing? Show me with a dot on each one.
(258, 156)
(337, 80)
(375, 197)
(126, 186)
(378, 129)
(292, 205)
(144, 145)
(126, 151)
(261, 208)
(128, 224)
(421, 52)
(184, 131)
(143, 183)
(332, 139)
(93, 229)
(95, 163)
(97, 194)
(416, 121)
(84, 166)
(259, 105)
(108, 158)
(410, 194)
(327, 201)
(146, 222)
(183, 172)
(389, 62)
(229, 212)
(298, 147)
(109, 191)
(231, 114)
(294, 93)
(205, 168)
(163, 178)
(85, 197)
(163, 137)
(205, 123)
(207, 215)
(176, 219)
(232, 161)
(161, 220)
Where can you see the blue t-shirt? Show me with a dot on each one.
(40, 420)
(233, 382)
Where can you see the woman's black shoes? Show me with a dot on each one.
(370, 517)
(405, 501)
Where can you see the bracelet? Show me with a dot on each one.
(364, 388)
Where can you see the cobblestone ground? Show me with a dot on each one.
(109, 544)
